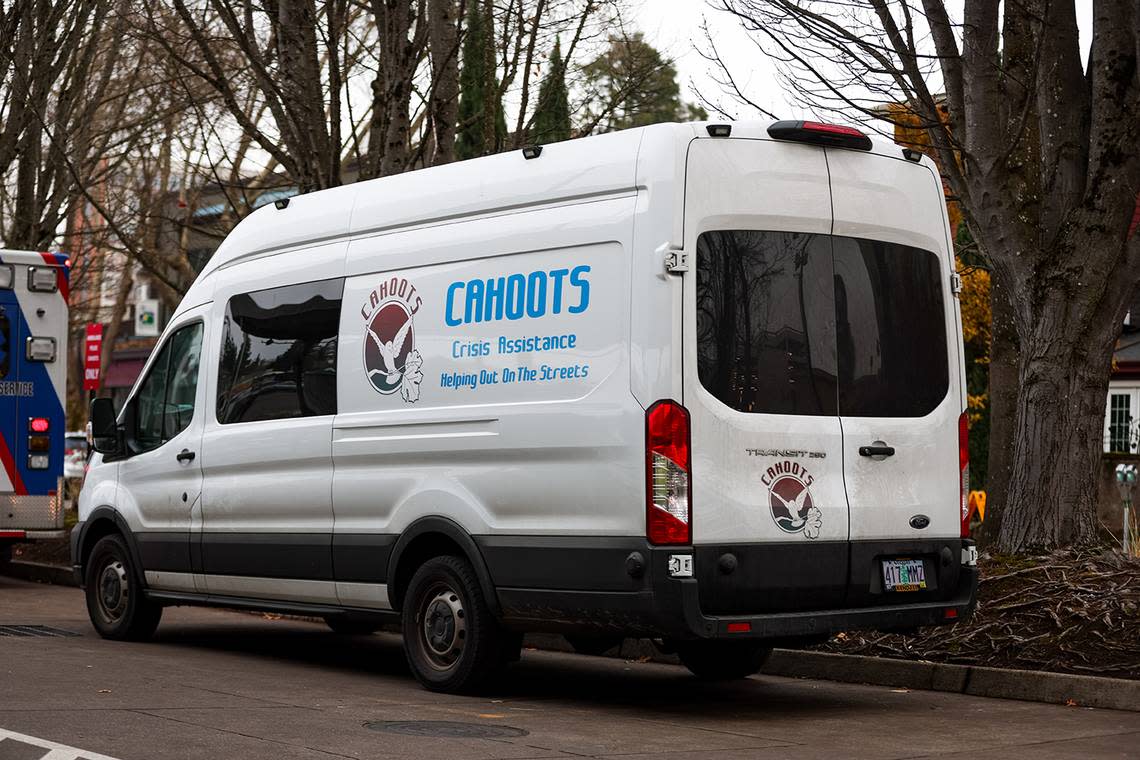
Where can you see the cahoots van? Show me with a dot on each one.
(695, 382)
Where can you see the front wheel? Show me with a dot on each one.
(722, 660)
(115, 601)
(451, 638)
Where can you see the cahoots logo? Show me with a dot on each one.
(789, 499)
(391, 360)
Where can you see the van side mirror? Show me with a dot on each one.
(105, 436)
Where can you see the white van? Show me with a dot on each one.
(695, 382)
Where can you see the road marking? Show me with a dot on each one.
(14, 746)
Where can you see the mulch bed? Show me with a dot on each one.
(1068, 612)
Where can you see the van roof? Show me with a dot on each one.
(583, 168)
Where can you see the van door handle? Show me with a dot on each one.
(876, 451)
(186, 455)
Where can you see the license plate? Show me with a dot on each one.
(904, 575)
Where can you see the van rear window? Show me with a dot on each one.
(279, 353)
(795, 323)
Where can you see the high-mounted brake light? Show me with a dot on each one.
(964, 471)
(816, 133)
(668, 509)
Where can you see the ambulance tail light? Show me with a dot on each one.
(669, 511)
(964, 472)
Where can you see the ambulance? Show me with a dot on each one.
(701, 383)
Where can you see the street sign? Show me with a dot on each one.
(146, 317)
(92, 356)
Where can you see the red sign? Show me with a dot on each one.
(92, 357)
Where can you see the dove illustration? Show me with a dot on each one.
(390, 351)
(794, 507)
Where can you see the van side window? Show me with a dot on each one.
(765, 321)
(165, 401)
(279, 353)
(793, 323)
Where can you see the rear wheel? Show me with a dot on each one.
(115, 601)
(347, 626)
(5, 556)
(722, 660)
(451, 638)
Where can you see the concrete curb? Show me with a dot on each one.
(40, 572)
(974, 680)
(977, 681)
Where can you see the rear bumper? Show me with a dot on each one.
(813, 623)
(767, 591)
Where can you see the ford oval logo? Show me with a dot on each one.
(918, 522)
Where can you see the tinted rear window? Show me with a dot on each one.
(792, 323)
(765, 321)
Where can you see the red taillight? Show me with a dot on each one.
(820, 134)
(949, 613)
(668, 511)
(39, 424)
(964, 471)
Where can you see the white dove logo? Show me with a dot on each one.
(391, 360)
(792, 507)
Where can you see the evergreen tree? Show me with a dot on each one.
(552, 115)
(482, 124)
(634, 86)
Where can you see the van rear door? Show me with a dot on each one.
(900, 386)
(760, 378)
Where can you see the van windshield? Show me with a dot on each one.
(796, 323)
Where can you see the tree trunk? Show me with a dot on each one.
(1058, 429)
(1003, 386)
(443, 41)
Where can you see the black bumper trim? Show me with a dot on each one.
(826, 622)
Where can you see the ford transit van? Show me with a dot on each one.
(696, 382)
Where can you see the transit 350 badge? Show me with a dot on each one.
(789, 499)
(391, 360)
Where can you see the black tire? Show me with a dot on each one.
(115, 602)
(592, 645)
(347, 626)
(5, 556)
(723, 660)
(451, 638)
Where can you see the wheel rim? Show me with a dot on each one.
(443, 626)
(113, 590)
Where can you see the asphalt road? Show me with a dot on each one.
(219, 684)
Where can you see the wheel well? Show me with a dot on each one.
(103, 526)
(421, 548)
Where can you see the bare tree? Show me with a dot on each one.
(1042, 156)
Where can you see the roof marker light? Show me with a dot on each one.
(719, 130)
(532, 151)
(817, 133)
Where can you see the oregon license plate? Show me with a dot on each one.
(904, 575)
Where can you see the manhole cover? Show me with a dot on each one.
(43, 631)
(446, 729)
